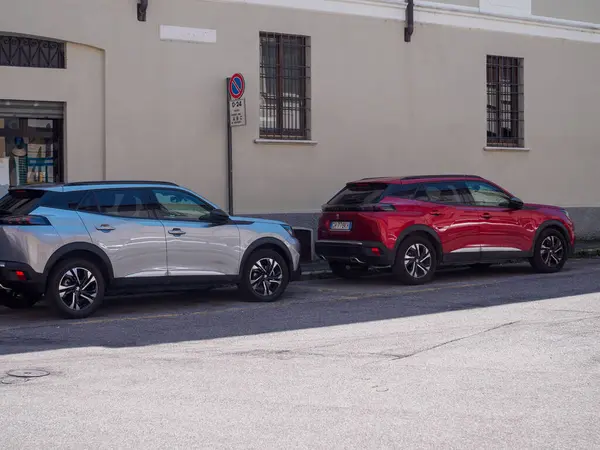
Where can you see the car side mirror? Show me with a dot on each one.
(218, 216)
(515, 203)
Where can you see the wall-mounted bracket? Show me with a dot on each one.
(410, 20)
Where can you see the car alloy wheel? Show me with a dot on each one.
(78, 288)
(266, 277)
(552, 251)
(75, 288)
(417, 260)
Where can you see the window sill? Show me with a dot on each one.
(285, 142)
(506, 149)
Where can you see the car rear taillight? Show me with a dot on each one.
(24, 220)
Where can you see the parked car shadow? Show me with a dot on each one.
(169, 318)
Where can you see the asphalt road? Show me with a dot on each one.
(501, 359)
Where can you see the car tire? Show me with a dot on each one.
(264, 277)
(549, 252)
(82, 286)
(18, 300)
(348, 272)
(416, 261)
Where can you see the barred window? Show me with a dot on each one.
(505, 111)
(284, 86)
(19, 51)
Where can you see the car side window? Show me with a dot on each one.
(89, 204)
(175, 204)
(485, 194)
(128, 203)
(446, 192)
(404, 191)
(62, 200)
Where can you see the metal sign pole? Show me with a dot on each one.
(229, 153)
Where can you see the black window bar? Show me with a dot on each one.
(284, 87)
(505, 106)
(19, 51)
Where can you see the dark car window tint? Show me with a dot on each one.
(359, 194)
(122, 202)
(62, 200)
(89, 203)
(174, 204)
(447, 192)
(485, 194)
(405, 191)
(17, 202)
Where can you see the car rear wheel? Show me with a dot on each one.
(75, 288)
(347, 271)
(18, 300)
(265, 276)
(416, 261)
(550, 252)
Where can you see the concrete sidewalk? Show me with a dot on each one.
(320, 269)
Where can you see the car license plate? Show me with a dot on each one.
(340, 226)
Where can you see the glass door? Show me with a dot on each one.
(30, 150)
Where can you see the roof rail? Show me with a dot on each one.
(419, 177)
(113, 182)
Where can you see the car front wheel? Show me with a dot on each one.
(265, 276)
(416, 261)
(75, 288)
(550, 252)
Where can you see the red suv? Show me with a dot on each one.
(416, 224)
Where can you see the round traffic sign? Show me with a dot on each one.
(237, 86)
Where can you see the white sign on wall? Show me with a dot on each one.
(510, 7)
(237, 112)
(185, 34)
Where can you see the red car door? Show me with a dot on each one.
(456, 223)
(504, 230)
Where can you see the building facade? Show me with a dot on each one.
(129, 89)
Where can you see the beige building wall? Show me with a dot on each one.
(580, 10)
(81, 87)
(139, 107)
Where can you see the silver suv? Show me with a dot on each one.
(72, 243)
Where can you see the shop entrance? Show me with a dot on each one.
(31, 142)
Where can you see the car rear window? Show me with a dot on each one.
(20, 201)
(359, 194)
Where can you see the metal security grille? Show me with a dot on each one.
(505, 106)
(284, 86)
(20, 51)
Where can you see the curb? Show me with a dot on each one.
(324, 274)
(587, 253)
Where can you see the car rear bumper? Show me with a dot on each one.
(20, 277)
(355, 252)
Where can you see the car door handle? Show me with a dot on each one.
(105, 227)
(435, 213)
(177, 232)
(487, 216)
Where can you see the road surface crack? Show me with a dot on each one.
(452, 341)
